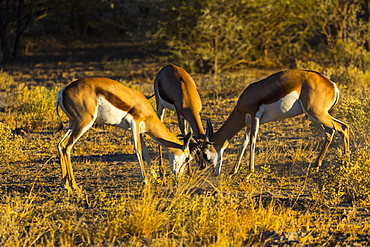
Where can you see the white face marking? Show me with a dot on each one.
(178, 163)
(218, 163)
(286, 107)
(209, 156)
(213, 157)
(108, 114)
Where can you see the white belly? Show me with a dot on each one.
(287, 107)
(111, 115)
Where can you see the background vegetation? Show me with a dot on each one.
(202, 36)
(225, 44)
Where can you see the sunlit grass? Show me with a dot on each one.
(10, 145)
(282, 202)
(156, 215)
(6, 81)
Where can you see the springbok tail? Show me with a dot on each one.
(149, 97)
(336, 98)
(60, 127)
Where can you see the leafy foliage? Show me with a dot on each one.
(207, 36)
(231, 33)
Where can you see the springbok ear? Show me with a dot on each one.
(187, 139)
(209, 129)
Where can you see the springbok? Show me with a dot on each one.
(282, 95)
(105, 101)
(176, 90)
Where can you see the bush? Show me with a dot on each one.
(308, 65)
(231, 34)
(10, 145)
(35, 103)
(354, 111)
(5, 81)
(350, 76)
(350, 181)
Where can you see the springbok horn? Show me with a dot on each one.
(187, 140)
(209, 129)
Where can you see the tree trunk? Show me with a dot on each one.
(367, 17)
(4, 22)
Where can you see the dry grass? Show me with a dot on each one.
(283, 203)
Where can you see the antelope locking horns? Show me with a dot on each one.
(196, 148)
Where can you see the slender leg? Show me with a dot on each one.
(61, 150)
(183, 124)
(160, 114)
(138, 149)
(185, 129)
(330, 126)
(329, 134)
(63, 159)
(146, 156)
(255, 127)
(255, 124)
(219, 161)
(343, 129)
(337, 125)
(242, 150)
(71, 181)
(77, 132)
(65, 147)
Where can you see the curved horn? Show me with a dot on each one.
(209, 129)
(187, 140)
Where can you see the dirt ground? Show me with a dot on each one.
(104, 158)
